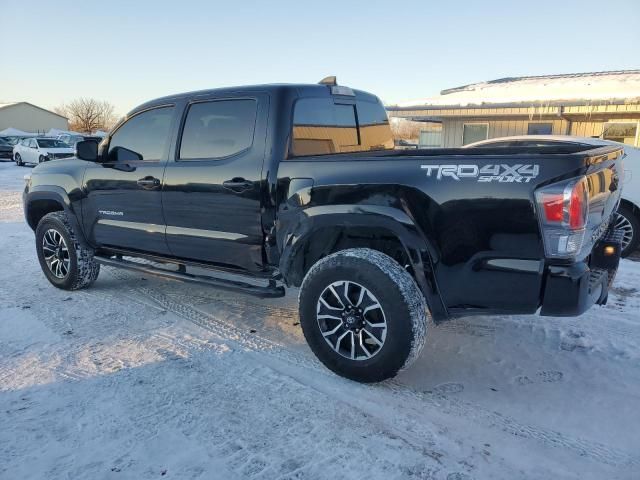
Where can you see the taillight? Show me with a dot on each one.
(579, 205)
(563, 208)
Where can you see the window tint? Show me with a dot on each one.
(51, 143)
(321, 127)
(218, 129)
(143, 137)
(540, 129)
(474, 132)
(375, 132)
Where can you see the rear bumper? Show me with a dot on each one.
(571, 290)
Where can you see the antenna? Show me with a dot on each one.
(330, 80)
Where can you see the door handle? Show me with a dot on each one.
(149, 182)
(238, 184)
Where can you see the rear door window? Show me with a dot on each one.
(218, 129)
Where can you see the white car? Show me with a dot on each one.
(38, 150)
(629, 212)
(72, 140)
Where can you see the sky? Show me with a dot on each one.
(128, 52)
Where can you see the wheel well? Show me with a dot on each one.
(329, 240)
(635, 209)
(39, 208)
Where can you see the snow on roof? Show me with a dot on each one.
(3, 105)
(54, 132)
(14, 132)
(597, 87)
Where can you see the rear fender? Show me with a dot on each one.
(317, 229)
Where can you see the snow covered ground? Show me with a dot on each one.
(139, 378)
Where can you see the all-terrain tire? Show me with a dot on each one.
(402, 303)
(83, 269)
(634, 223)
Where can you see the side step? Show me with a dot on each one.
(270, 291)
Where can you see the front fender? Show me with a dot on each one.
(58, 195)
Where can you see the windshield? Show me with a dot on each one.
(51, 143)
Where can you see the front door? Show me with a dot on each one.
(212, 189)
(122, 206)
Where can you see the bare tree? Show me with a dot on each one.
(86, 115)
(403, 129)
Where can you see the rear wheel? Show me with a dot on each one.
(66, 263)
(18, 160)
(628, 222)
(362, 314)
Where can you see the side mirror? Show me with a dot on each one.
(87, 150)
(123, 155)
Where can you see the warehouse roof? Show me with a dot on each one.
(5, 105)
(593, 88)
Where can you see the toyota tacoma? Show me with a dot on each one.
(300, 186)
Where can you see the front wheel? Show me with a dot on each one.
(362, 314)
(18, 160)
(628, 222)
(41, 159)
(66, 263)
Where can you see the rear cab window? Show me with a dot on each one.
(328, 125)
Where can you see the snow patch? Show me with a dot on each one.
(596, 87)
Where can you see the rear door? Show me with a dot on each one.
(31, 152)
(123, 206)
(212, 190)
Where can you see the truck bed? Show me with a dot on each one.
(474, 224)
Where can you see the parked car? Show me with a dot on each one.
(14, 139)
(39, 150)
(72, 140)
(404, 144)
(299, 186)
(6, 150)
(629, 211)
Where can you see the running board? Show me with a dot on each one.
(271, 291)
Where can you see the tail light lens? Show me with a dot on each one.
(563, 209)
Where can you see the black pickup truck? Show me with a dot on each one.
(299, 186)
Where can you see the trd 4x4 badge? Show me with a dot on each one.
(519, 173)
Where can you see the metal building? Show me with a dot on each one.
(599, 104)
(30, 118)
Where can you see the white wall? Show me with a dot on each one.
(30, 119)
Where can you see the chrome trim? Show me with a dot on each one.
(197, 232)
(144, 227)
